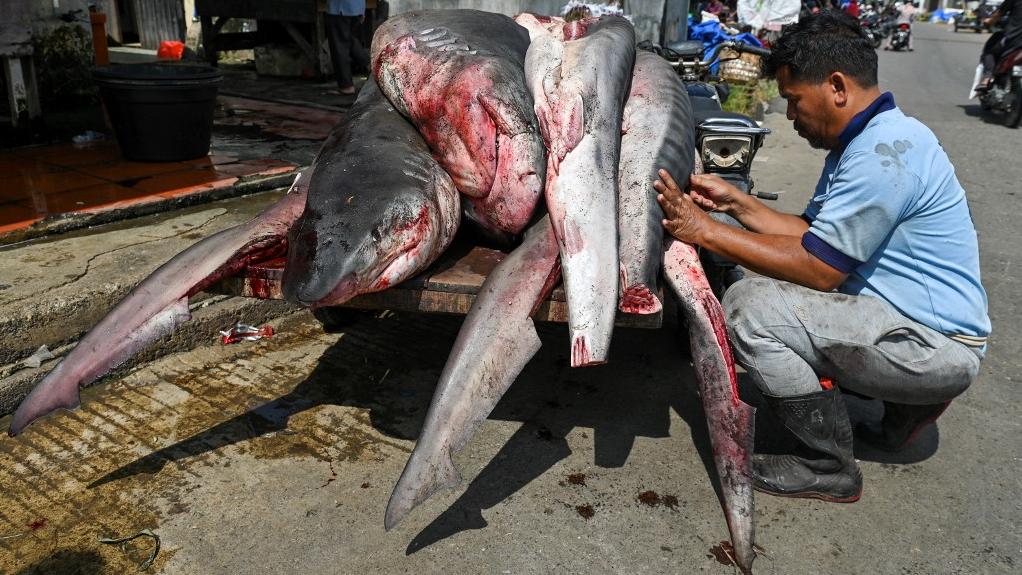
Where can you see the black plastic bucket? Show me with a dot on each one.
(160, 112)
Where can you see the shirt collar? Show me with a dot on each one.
(859, 121)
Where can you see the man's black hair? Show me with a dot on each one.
(821, 44)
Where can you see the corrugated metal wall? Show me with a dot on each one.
(160, 20)
(646, 14)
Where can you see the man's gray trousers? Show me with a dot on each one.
(787, 337)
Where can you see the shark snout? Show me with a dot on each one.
(345, 289)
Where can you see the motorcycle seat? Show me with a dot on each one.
(687, 48)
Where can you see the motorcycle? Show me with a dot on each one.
(1004, 91)
(726, 142)
(973, 19)
(902, 34)
(876, 27)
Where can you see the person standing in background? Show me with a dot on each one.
(342, 19)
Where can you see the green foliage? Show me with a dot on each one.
(63, 59)
(744, 98)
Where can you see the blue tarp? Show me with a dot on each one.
(941, 16)
(711, 34)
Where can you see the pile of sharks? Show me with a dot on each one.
(543, 135)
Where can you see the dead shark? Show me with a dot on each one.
(579, 73)
(346, 226)
(458, 75)
(496, 341)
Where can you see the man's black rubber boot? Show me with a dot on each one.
(820, 422)
(900, 425)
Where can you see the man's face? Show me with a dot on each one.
(812, 109)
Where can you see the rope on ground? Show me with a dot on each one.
(144, 533)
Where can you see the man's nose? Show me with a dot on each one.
(790, 111)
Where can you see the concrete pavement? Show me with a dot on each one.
(278, 456)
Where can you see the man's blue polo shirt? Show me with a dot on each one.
(889, 211)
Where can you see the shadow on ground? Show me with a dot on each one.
(976, 111)
(647, 376)
(67, 562)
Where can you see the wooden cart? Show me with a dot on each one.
(302, 19)
(449, 286)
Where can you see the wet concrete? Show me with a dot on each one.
(278, 456)
(293, 443)
(53, 290)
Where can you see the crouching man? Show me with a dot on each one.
(876, 287)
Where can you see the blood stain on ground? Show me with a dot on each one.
(670, 501)
(365, 485)
(577, 479)
(650, 498)
(586, 511)
(723, 552)
(37, 524)
(333, 475)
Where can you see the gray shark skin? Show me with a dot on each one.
(380, 209)
(363, 229)
(160, 303)
(656, 132)
(458, 76)
(731, 421)
(495, 343)
(579, 73)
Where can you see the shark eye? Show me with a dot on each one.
(377, 236)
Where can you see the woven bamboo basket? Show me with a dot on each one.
(739, 69)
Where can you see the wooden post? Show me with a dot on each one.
(22, 93)
(98, 21)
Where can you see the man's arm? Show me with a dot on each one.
(710, 192)
(780, 256)
(868, 196)
(760, 218)
(998, 14)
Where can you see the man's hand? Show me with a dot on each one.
(684, 219)
(712, 193)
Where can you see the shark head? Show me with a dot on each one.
(335, 257)
(360, 242)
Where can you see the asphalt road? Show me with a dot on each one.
(278, 456)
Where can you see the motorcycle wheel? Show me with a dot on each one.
(1014, 117)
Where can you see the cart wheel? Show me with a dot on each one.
(338, 319)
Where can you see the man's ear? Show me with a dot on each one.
(839, 88)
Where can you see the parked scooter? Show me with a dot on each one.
(1004, 91)
(875, 25)
(726, 142)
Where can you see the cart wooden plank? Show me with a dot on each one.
(449, 286)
